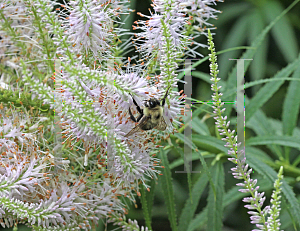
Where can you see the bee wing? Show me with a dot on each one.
(162, 124)
(137, 128)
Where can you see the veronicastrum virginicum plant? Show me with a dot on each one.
(241, 171)
(48, 185)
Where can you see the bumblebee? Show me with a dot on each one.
(151, 116)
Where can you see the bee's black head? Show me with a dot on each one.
(152, 103)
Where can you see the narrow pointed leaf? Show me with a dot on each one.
(236, 37)
(282, 32)
(195, 156)
(147, 202)
(291, 105)
(166, 182)
(259, 63)
(200, 127)
(267, 91)
(260, 124)
(190, 208)
(231, 11)
(215, 207)
(210, 142)
(248, 54)
(289, 141)
(194, 147)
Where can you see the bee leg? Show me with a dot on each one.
(132, 117)
(140, 117)
(164, 99)
(137, 106)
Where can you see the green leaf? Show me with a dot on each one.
(147, 202)
(189, 207)
(231, 83)
(202, 108)
(145, 207)
(282, 32)
(296, 161)
(288, 141)
(198, 221)
(185, 141)
(285, 216)
(261, 81)
(290, 110)
(232, 92)
(206, 77)
(210, 142)
(195, 156)
(267, 91)
(287, 191)
(150, 196)
(260, 124)
(258, 154)
(166, 182)
(291, 105)
(189, 179)
(231, 11)
(181, 74)
(193, 146)
(259, 63)
(200, 127)
(236, 36)
(277, 124)
(215, 207)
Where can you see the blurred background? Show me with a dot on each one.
(238, 25)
